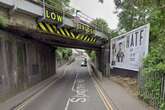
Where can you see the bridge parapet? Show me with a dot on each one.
(21, 9)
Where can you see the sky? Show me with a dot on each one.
(95, 9)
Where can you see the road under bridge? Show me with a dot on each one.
(29, 36)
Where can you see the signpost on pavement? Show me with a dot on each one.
(129, 49)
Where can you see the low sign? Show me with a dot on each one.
(53, 16)
(128, 50)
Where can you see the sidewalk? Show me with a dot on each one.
(23, 96)
(120, 98)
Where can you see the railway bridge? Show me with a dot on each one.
(30, 32)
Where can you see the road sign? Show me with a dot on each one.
(53, 16)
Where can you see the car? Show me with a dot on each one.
(84, 62)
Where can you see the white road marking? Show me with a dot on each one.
(80, 91)
(73, 87)
(21, 106)
(67, 104)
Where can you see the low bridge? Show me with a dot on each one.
(30, 33)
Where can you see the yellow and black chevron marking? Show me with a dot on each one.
(72, 35)
(67, 33)
(51, 28)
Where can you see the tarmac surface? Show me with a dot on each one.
(74, 91)
(74, 88)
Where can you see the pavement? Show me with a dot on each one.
(76, 89)
(120, 98)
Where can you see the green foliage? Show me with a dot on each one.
(162, 106)
(92, 54)
(3, 22)
(64, 53)
(113, 33)
(101, 24)
(154, 69)
(58, 4)
(131, 14)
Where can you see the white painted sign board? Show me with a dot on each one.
(129, 49)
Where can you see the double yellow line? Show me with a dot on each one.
(103, 98)
(101, 94)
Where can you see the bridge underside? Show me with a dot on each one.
(50, 39)
(102, 51)
(28, 57)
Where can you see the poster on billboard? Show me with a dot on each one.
(129, 49)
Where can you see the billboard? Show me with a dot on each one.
(129, 49)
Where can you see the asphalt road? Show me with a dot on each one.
(74, 91)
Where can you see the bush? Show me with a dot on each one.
(64, 53)
(162, 106)
(3, 22)
(154, 69)
(92, 54)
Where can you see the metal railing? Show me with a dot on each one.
(70, 12)
(154, 95)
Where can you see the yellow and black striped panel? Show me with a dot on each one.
(88, 39)
(48, 28)
(94, 41)
(85, 38)
(72, 35)
(67, 33)
(78, 36)
(63, 32)
(91, 40)
(55, 29)
(82, 36)
(42, 27)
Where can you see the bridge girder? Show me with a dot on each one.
(51, 39)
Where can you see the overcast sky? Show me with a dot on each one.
(95, 9)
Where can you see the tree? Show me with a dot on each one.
(101, 24)
(114, 33)
(58, 4)
(133, 13)
(130, 14)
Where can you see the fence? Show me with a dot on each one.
(152, 89)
